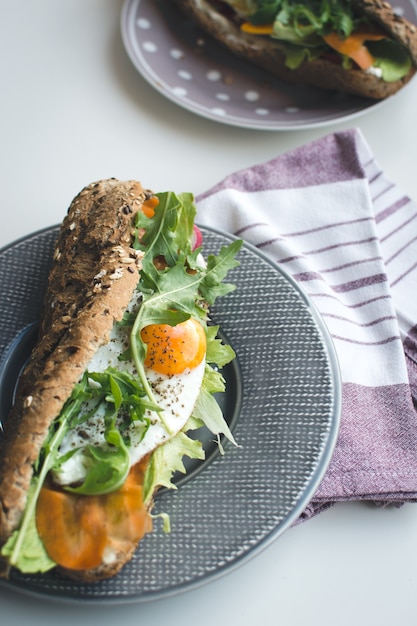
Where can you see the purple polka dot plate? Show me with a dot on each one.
(194, 72)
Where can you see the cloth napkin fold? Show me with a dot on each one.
(327, 214)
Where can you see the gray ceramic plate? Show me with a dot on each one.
(283, 403)
(197, 74)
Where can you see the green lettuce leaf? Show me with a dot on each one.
(26, 551)
(208, 412)
(217, 352)
(167, 459)
(392, 59)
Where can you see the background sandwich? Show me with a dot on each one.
(360, 47)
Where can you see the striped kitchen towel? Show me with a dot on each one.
(327, 214)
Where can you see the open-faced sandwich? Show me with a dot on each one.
(126, 363)
(361, 47)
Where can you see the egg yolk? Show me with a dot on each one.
(173, 349)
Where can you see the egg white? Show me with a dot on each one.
(175, 394)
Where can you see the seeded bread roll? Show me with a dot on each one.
(400, 29)
(95, 271)
(217, 20)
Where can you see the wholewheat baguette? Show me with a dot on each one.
(89, 287)
(267, 53)
(81, 303)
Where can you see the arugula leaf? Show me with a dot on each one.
(168, 232)
(173, 298)
(211, 285)
(108, 468)
(304, 18)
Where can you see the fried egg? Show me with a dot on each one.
(174, 367)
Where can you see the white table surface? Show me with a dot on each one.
(73, 110)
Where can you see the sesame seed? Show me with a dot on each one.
(117, 274)
(27, 401)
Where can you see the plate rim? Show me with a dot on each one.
(288, 519)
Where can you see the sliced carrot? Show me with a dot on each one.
(76, 530)
(354, 46)
(148, 207)
(71, 529)
(262, 29)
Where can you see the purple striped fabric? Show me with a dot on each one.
(327, 214)
(302, 168)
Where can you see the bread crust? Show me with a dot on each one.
(400, 29)
(94, 273)
(268, 54)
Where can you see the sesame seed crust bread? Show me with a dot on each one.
(267, 53)
(120, 557)
(400, 29)
(94, 273)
